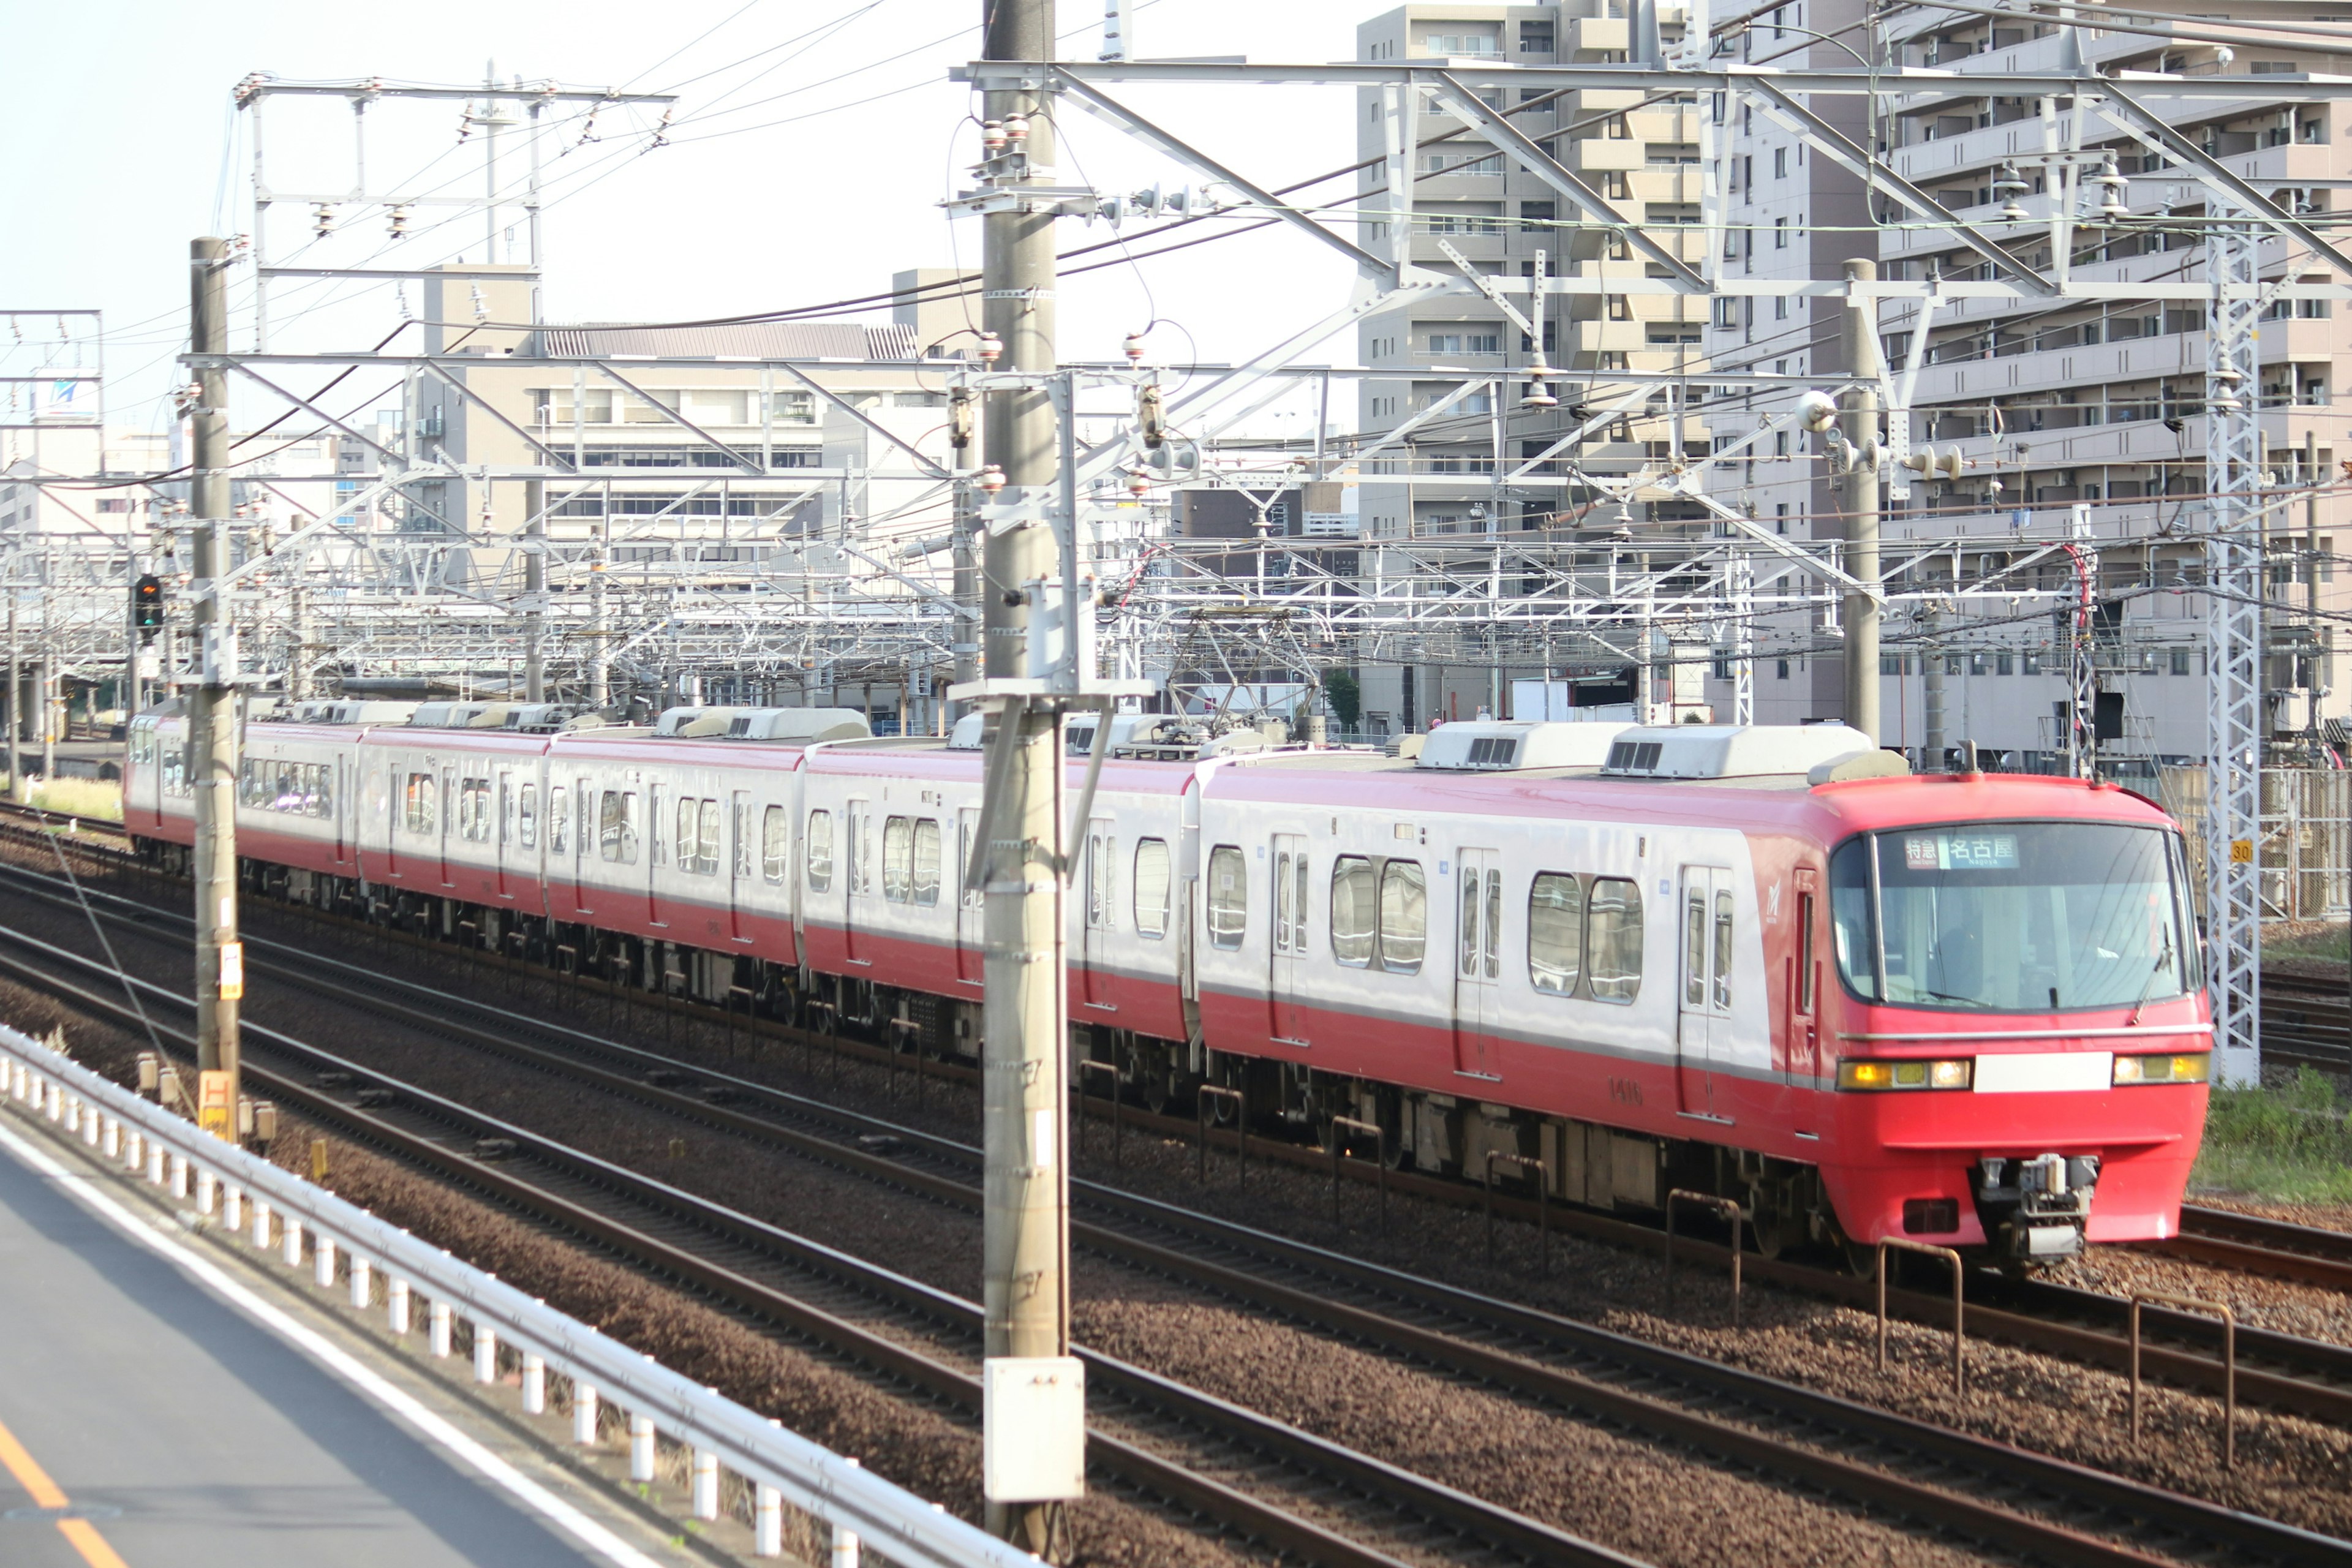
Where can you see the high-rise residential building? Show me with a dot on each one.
(1454, 473)
(2068, 436)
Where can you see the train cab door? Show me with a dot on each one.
(971, 945)
(1095, 984)
(1703, 1023)
(1285, 1018)
(1477, 963)
(743, 874)
(857, 895)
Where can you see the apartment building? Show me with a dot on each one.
(2078, 427)
(1453, 476)
(537, 392)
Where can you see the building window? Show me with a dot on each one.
(1779, 162)
(1780, 234)
(2181, 662)
(1779, 670)
(1536, 216)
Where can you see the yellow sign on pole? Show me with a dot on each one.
(215, 1113)
(231, 971)
(2241, 851)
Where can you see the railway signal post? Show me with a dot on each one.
(212, 704)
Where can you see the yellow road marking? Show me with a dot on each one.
(44, 1492)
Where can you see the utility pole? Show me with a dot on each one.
(2317, 678)
(211, 706)
(298, 652)
(15, 692)
(1931, 677)
(1026, 1197)
(1858, 420)
(534, 594)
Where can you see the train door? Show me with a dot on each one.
(1477, 963)
(658, 846)
(970, 945)
(858, 897)
(450, 812)
(509, 843)
(742, 870)
(1283, 1020)
(1095, 984)
(1703, 1026)
(335, 806)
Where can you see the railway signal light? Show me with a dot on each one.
(147, 607)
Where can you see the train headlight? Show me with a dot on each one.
(1950, 1073)
(2194, 1067)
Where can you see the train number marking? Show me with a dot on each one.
(1624, 1091)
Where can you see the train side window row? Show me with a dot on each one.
(910, 860)
(697, 836)
(301, 789)
(1584, 934)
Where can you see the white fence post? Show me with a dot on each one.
(641, 1447)
(322, 1255)
(486, 1354)
(706, 1485)
(261, 1224)
(436, 1328)
(767, 1522)
(397, 1306)
(583, 1413)
(231, 1207)
(294, 1246)
(363, 1286)
(534, 1385)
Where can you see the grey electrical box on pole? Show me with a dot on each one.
(212, 704)
(1859, 419)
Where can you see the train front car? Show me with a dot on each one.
(2021, 1035)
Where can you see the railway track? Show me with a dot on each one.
(1972, 1488)
(2287, 1372)
(1253, 1479)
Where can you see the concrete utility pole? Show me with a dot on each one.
(211, 706)
(130, 574)
(298, 651)
(1025, 1239)
(534, 594)
(2321, 673)
(15, 697)
(1859, 422)
(1931, 668)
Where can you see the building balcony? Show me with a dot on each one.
(1602, 154)
(1585, 33)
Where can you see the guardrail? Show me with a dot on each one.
(780, 1466)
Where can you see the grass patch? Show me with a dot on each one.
(2318, 939)
(2287, 1143)
(80, 797)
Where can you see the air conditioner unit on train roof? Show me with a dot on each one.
(803, 725)
(1748, 751)
(1495, 745)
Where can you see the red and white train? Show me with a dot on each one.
(1763, 962)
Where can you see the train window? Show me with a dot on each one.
(927, 863)
(1695, 944)
(1228, 895)
(707, 850)
(1152, 883)
(559, 821)
(1612, 940)
(1804, 953)
(506, 810)
(658, 829)
(1850, 932)
(1102, 862)
(616, 826)
(774, 843)
(322, 797)
(820, 851)
(1405, 916)
(418, 805)
(526, 817)
(1723, 922)
(1555, 932)
(898, 859)
(474, 809)
(1355, 913)
(689, 837)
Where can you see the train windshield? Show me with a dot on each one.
(2014, 917)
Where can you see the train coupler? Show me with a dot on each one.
(2037, 1209)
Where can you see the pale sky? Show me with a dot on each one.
(802, 167)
